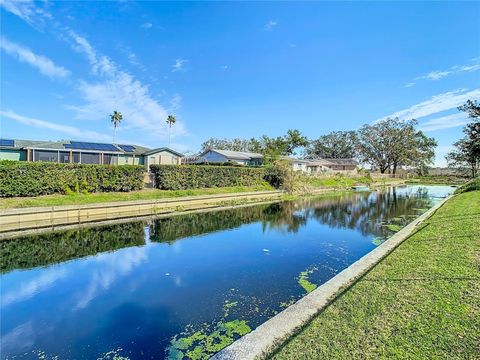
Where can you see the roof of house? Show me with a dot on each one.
(326, 162)
(156, 150)
(85, 146)
(235, 155)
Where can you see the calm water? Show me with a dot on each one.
(187, 285)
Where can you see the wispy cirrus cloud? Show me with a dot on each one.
(435, 75)
(146, 25)
(33, 14)
(63, 129)
(41, 63)
(270, 25)
(118, 89)
(179, 65)
(444, 122)
(436, 104)
(112, 87)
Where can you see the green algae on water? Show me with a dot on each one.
(205, 342)
(304, 281)
(393, 227)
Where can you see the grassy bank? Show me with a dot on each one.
(438, 180)
(422, 301)
(334, 183)
(145, 194)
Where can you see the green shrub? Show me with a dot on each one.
(472, 185)
(181, 177)
(19, 178)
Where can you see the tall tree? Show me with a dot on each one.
(335, 145)
(269, 146)
(171, 120)
(116, 118)
(391, 143)
(467, 150)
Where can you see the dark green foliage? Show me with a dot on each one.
(51, 248)
(180, 177)
(20, 178)
(472, 185)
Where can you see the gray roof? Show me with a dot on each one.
(60, 145)
(236, 155)
(327, 162)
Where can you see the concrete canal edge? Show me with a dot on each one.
(272, 333)
(13, 221)
(26, 221)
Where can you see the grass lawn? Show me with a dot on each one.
(421, 302)
(145, 194)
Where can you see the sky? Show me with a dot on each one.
(234, 69)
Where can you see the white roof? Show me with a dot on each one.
(237, 155)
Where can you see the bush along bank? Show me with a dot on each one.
(19, 178)
(182, 177)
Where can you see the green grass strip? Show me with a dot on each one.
(421, 302)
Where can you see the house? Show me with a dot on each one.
(221, 156)
(319, 166)
(244, 158)
(67, 151)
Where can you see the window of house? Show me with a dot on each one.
(109, 159)
(90, 158)
(64, 157)
(45, 155)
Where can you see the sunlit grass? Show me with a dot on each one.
(421, 302)
(145, 194)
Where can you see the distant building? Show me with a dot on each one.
(80, 152)
(245, 158)
(319, 166)
(221, 156)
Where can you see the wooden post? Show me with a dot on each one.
(70, 157)
(133, 159)
(28, 154)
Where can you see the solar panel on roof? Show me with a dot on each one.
(90, 146)
(127, 148)
(7, 142)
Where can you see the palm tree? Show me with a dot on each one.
(170, 121)
(116, 118)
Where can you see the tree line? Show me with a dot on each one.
(385, 145)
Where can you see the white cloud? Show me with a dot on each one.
(270, 25)
(437, 103)
(410, 84)
(224, 67)
(43, 64)
(434, 75)
(117, 89)
(176, 102)
(147, 25)
(179, 65)
(440, 74)
(64, 129)
(28, 11)
(444, 122)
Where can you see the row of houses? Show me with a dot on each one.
(68, 151)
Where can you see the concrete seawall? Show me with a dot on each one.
(272, 333)
(14, 220)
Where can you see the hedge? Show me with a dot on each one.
(19, 178)
(181, 177)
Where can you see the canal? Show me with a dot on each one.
(189, 285)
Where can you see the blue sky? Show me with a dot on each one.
(229, 69)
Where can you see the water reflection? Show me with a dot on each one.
(367, 212)
(149, 289)
(50, 248)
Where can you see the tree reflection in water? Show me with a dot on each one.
(367, 212)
